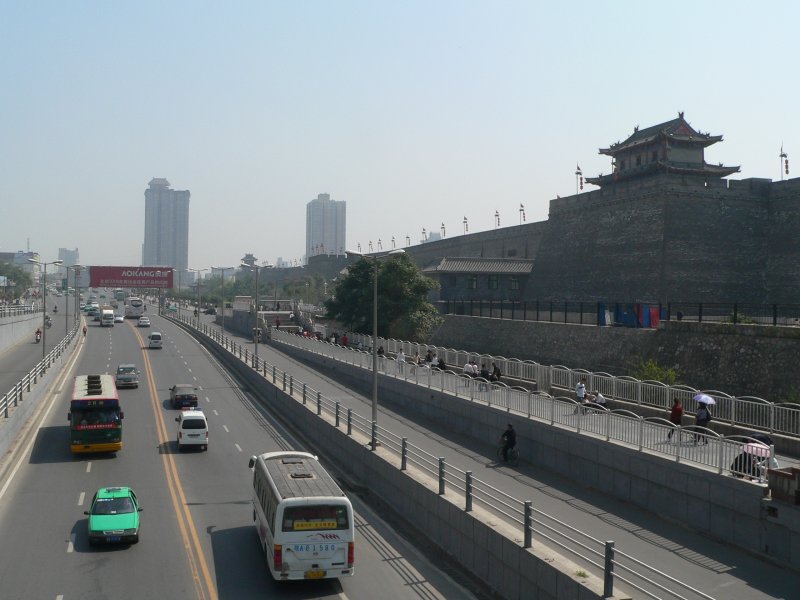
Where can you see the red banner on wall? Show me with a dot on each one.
(131, 277)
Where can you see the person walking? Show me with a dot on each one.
(675, 415)
(580, 394)
(401, 361)
(702, 418)
(509, 440)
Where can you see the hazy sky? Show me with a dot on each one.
(415, 112)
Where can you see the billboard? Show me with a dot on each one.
(131, 277)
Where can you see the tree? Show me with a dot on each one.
(403, 308)
(18, 280)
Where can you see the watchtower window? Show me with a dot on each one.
(493, 282)
(472, 282)
(638, 160)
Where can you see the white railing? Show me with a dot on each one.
(747, 412)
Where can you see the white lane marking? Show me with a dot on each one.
(80, 498)
(193, 377)
(71, 543)
(215, 412)
(188, 369)
(186, 363)
(199, 387)
(60, 597)
(225, 427)
(238, 447)
(89, 467)
(207, 400)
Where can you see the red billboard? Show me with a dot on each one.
(130, 277)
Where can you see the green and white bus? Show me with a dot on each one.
(304, 520)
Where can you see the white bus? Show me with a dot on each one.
(303, 519)
(134, 307)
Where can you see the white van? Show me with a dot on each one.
(192, 429)
(154, 340)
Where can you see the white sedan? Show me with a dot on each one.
(119, 319)
(144, 322)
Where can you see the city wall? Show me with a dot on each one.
(740, 360)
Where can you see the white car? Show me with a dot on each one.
(192, 429)
(154, 340)
(144, 322)
(119, 319)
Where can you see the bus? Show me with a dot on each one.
(95, 418)
(134, 307)
(119, 294)
(303, 519)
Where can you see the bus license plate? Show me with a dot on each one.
(315, 574)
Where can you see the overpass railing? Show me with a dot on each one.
(16, 311)
(13, 397)
(749, 412)
(602, 557)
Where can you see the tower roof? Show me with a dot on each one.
(677, 130)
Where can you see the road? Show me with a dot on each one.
(197, 537)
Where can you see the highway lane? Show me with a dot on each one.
(197, 538)
(722, 571)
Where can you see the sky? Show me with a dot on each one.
(416, 113)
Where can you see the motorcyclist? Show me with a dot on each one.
(509, 440)
(38, 334)
(55, 309)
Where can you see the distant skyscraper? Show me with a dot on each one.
(70, 257)
(166, 226)
(325, 226)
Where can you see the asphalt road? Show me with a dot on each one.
(197, 537)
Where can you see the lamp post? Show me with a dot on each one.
(77, 270)
(222, 292)
(375, 259)
(197, 277)
(44, 296)
(257, 331)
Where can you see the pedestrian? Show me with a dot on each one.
(467, 370)
(484, 374)
(495, 374)
(401, 360)
(416, 361)
(702, 417)
(428, 359)
(381, 351)
(345, 340)
(580, 394)
(675, 415)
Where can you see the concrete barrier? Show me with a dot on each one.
(14, 329)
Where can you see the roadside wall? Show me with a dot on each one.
(14, 329)
(741, 360)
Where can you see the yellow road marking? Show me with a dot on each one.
(191, 541)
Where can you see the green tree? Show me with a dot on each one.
(650, 370)
(18, 280)
(403, 308)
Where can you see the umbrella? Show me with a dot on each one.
(705, 399)
(756, 449)
(761, 437)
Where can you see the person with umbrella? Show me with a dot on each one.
(703, 415)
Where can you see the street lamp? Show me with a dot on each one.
(222, 293)
(77, 270)
(197, 277)
(44, 296)
(256, 268)
(375, 259)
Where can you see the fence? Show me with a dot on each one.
(748, 412)
(16, 311)
(631, 314)
(602, 557)
(13, 397)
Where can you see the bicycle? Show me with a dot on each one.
(513, 455)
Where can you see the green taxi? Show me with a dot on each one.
(114, 516)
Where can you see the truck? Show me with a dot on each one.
(107, 317)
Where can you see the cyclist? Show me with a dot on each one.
(509, 440)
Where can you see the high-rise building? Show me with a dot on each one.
(70, 257)
(325, 226)
(166, 226)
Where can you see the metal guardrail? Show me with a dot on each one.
(748, 412)
(16, 311)
(14, 396)
(601, 557)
